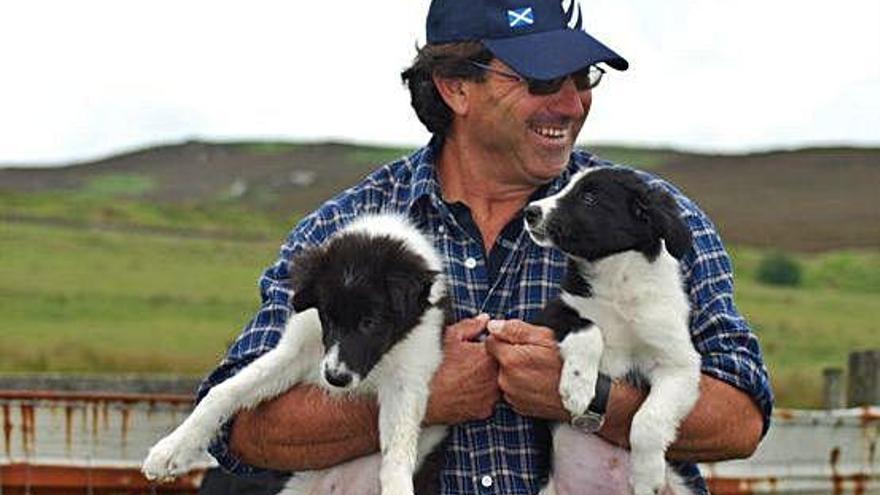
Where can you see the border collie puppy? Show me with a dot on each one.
(370, 311)
(622, 311)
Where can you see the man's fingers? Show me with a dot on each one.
(520, 332)
(467, 329)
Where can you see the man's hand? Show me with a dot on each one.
(529, 368)
(725, 424)
(465, 387)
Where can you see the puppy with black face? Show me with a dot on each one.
(606, 211)
(370, 308)
(622, 311)
(370, 292)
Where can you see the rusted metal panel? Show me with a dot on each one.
(808, 452)
(58, 440)
(100, 439)
(63, 480)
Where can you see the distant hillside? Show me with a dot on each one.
(806, 200)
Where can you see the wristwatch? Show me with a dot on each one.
(592, 419)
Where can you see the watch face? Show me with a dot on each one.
(588, 422)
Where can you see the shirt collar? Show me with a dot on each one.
(424, 176)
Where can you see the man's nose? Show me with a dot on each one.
(569, 101)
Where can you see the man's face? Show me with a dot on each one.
(530, 136)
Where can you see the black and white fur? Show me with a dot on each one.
(370, 311)
(622, 309)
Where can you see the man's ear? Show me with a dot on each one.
(305, 267)
(454, 92)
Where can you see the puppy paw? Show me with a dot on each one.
(398, 489)
(395, 480)
(171, 457)
(577, 387)
(648, 474)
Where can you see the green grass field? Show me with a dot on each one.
(108, 301)
(813, 326)
(101, 301)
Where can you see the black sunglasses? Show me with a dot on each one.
(586, 78)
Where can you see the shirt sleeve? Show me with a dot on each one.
(729, 349)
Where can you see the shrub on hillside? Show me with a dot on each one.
(779, 269)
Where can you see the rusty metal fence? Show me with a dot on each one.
(62, 443)
(809, 453)
(59, 443)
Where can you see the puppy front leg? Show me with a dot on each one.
(674, 391)
(581, 352)
(267, 376)
(401, 410)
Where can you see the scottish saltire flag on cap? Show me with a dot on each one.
(520, 17)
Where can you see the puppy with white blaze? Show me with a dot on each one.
(370, 308)
(622, 311)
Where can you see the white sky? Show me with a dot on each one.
(87, 78)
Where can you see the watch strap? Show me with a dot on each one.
(600, 401)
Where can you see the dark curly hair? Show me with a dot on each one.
(450, 60)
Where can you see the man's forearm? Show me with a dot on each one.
(724, 424)
(306, 429)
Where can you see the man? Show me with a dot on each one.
(504, 87)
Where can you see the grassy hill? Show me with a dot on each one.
(148, 261)
(807, 200)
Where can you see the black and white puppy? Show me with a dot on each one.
(622, 310)
(370, 311)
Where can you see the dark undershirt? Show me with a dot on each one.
(499, 253)
(510, 232)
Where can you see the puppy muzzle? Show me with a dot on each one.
(536, 225)
(335, 373)
(337, 379)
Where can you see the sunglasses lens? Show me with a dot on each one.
(586, 78)
(545, 86)
(583, 79)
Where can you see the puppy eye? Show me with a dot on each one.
(588, 198)
(368, 323)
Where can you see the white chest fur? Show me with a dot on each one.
(641, 310)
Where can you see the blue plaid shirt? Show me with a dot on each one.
(517, 283)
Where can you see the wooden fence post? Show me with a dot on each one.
(864, 378)
(833, 392)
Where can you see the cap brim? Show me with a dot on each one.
(552, 54)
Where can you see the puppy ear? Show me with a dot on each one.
(410, 292)
(641, 205)
(666, 219)
(304, 269)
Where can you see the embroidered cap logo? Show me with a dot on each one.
(519, 18)
(572, 9)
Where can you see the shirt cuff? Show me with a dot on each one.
(228, 461)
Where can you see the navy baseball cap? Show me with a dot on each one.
(539, 39)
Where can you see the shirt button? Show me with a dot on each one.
(486, 481)
(470, 263)
(441, 229)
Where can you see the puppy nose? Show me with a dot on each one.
(533, 215)
(337, 379)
